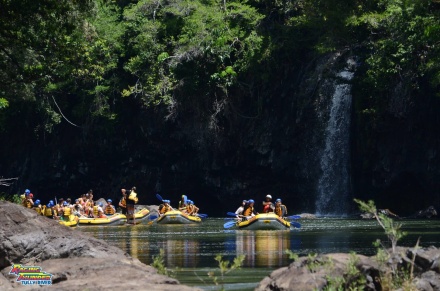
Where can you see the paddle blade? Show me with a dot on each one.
(153, 217)
(294, 217)
(185, 199)
(295, 224)
(231, 214)
(159, 197)
(202, 215)
(229, 224)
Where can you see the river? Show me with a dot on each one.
(190, 250)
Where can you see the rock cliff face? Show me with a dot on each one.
(267, 141)
(76, 261)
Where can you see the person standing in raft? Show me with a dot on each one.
(249, 210)
(130, 202)
(268, 205)
(280, 209)
(123, 201)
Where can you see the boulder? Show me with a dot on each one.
(317, 273)
(76, 260)
(307, 216)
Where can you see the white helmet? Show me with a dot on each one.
(269, 196)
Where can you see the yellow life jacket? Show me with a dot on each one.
(95, 211)
(133, 196)
(27, 203)
(48, 212)
(248, 211)
(38, 209)
(109, 209)
(67, 211)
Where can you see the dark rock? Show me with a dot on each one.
(75, 259)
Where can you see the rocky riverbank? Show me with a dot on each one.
(405, 269)
(76, 260)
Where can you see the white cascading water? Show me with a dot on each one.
(334, 183)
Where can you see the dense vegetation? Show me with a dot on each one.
(83, 62)
(74, 58)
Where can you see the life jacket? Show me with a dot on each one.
(248, 211)
(109, 209)
(133, 196)
(282, 209)
(38, 209)
(165, 209)
(67, 211)
(48, 212)
(189, 209)
(27, 203)
(95, 211)
(266, 208)
(123, 202)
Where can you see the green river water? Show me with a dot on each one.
(189, 250)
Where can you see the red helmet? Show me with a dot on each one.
(31, 195)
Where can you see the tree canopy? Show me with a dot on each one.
(78, 60)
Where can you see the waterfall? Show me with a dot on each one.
(334, 183)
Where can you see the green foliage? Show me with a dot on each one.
(3, 103)
(225, 267)
(292, 255)
(159, 263)
(403, 42)
(391, 228)
(14, 198)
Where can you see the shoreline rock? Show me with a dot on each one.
(76, 260)
(318, 273)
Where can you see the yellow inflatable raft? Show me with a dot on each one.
(265, 221)
(114, 219)
(73, 221)
(177, 217)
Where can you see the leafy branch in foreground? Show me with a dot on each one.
(225, 267)
(392, 229)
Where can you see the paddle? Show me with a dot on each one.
(185, 199)
(153, 217)
(293, 217)
(229, 224)
(231, 214)
(201, 215)
(295, 224)
(159, 197)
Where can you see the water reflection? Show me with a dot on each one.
(180, 253)
(263, 248)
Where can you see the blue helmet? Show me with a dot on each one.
(100, 204)
(27, 191)
(65, 203)
(37, 202)
(109, 200)
(251, 201)
(278, 200)
(190, 202)
(51, 202)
